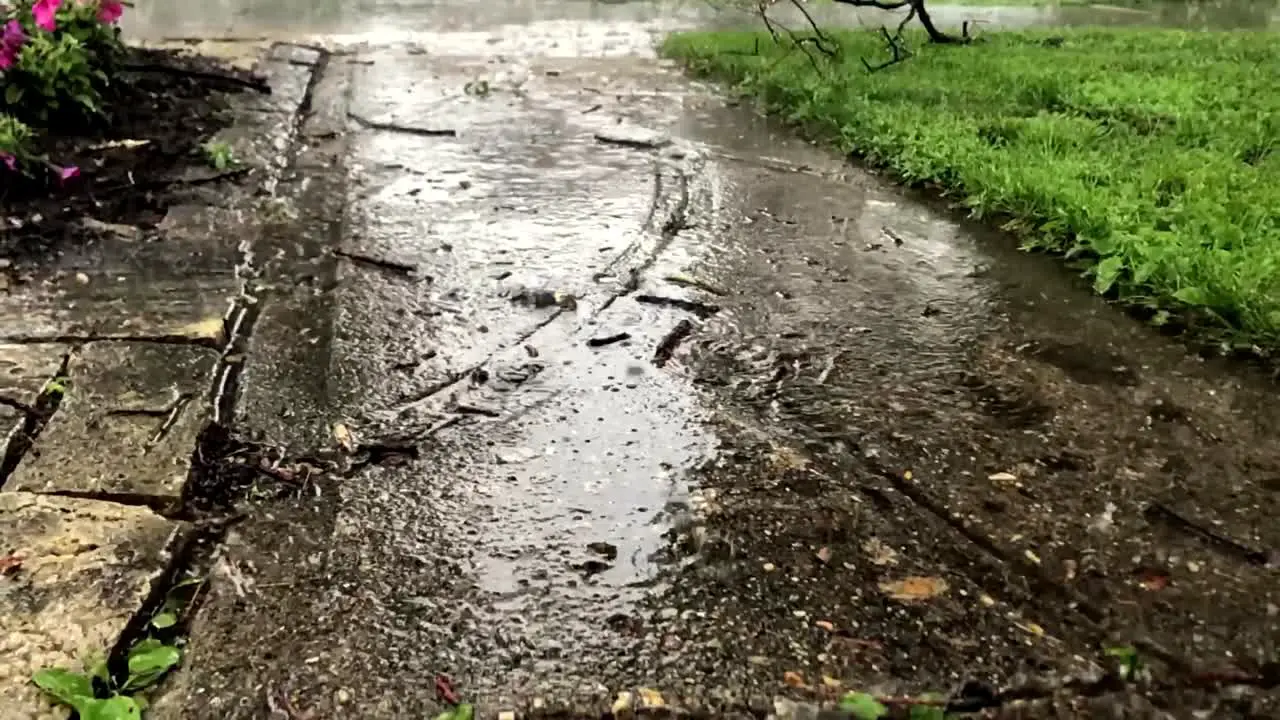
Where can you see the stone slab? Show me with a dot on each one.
(121, 428)
(77, 571)
(97, 306)
(24, 369)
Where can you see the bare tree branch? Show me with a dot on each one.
(918, 10)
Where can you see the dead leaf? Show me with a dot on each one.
(914, 589)
(211, 329)
(10, 564)
(1153, 580)
(793, 679)
(831, 682)
(120, 144)
(1030, 627)
(650, 699)
(344, 437)
(1004, 479)
(824, 555)
(880, 553)
(622, 704)
(825, 625)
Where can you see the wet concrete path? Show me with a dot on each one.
(790, 421)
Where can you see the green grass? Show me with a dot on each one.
(1148, 157)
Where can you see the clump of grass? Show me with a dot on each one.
(1150, 156)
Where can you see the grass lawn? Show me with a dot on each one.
(1150, 157)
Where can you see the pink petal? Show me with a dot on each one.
(109, 11)
(68, 173)
(45, 12)
(9, 160)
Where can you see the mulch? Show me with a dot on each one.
(160, 113)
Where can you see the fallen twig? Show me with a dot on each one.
(253, 83)
(392, 127)
(463, 409)
(695, 283)
(693, 306)
(1161, 511)
(667, 347)
(897, 50)
(608, 340)
(377, 262)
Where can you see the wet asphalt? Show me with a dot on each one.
(649, 393)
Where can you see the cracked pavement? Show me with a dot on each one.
(608, 384)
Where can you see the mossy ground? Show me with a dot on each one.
(1148, 157)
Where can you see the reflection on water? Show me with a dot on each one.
(372, 17)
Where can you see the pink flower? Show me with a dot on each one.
(109, 11)
(65, 174)
(9, 160)
(45, 12)
(11, 42)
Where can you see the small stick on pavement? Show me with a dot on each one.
(376, 262)
(667, 347)
(695, 283)
(609, 340)
(1173, 517)
(697, 308)
(392, 127)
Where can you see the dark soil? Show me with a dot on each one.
(172, 102)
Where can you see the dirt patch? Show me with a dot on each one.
(132, 164)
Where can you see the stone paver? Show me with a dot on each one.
(75, 573)
(24, 369)
(128, 424)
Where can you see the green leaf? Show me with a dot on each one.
(1107, 272)
(66, 687)
(13, 95)
(1192, 296)
(148, 661)
(464, 711)
(113, 708)
(164, 620)
(862, 706)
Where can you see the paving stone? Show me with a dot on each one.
(288, 80)
(296, 54)
(102, 305)
(122, 427)
(77, 571)
(24, 369)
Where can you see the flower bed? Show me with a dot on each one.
(90, 127)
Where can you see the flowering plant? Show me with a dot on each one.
(56, 59)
